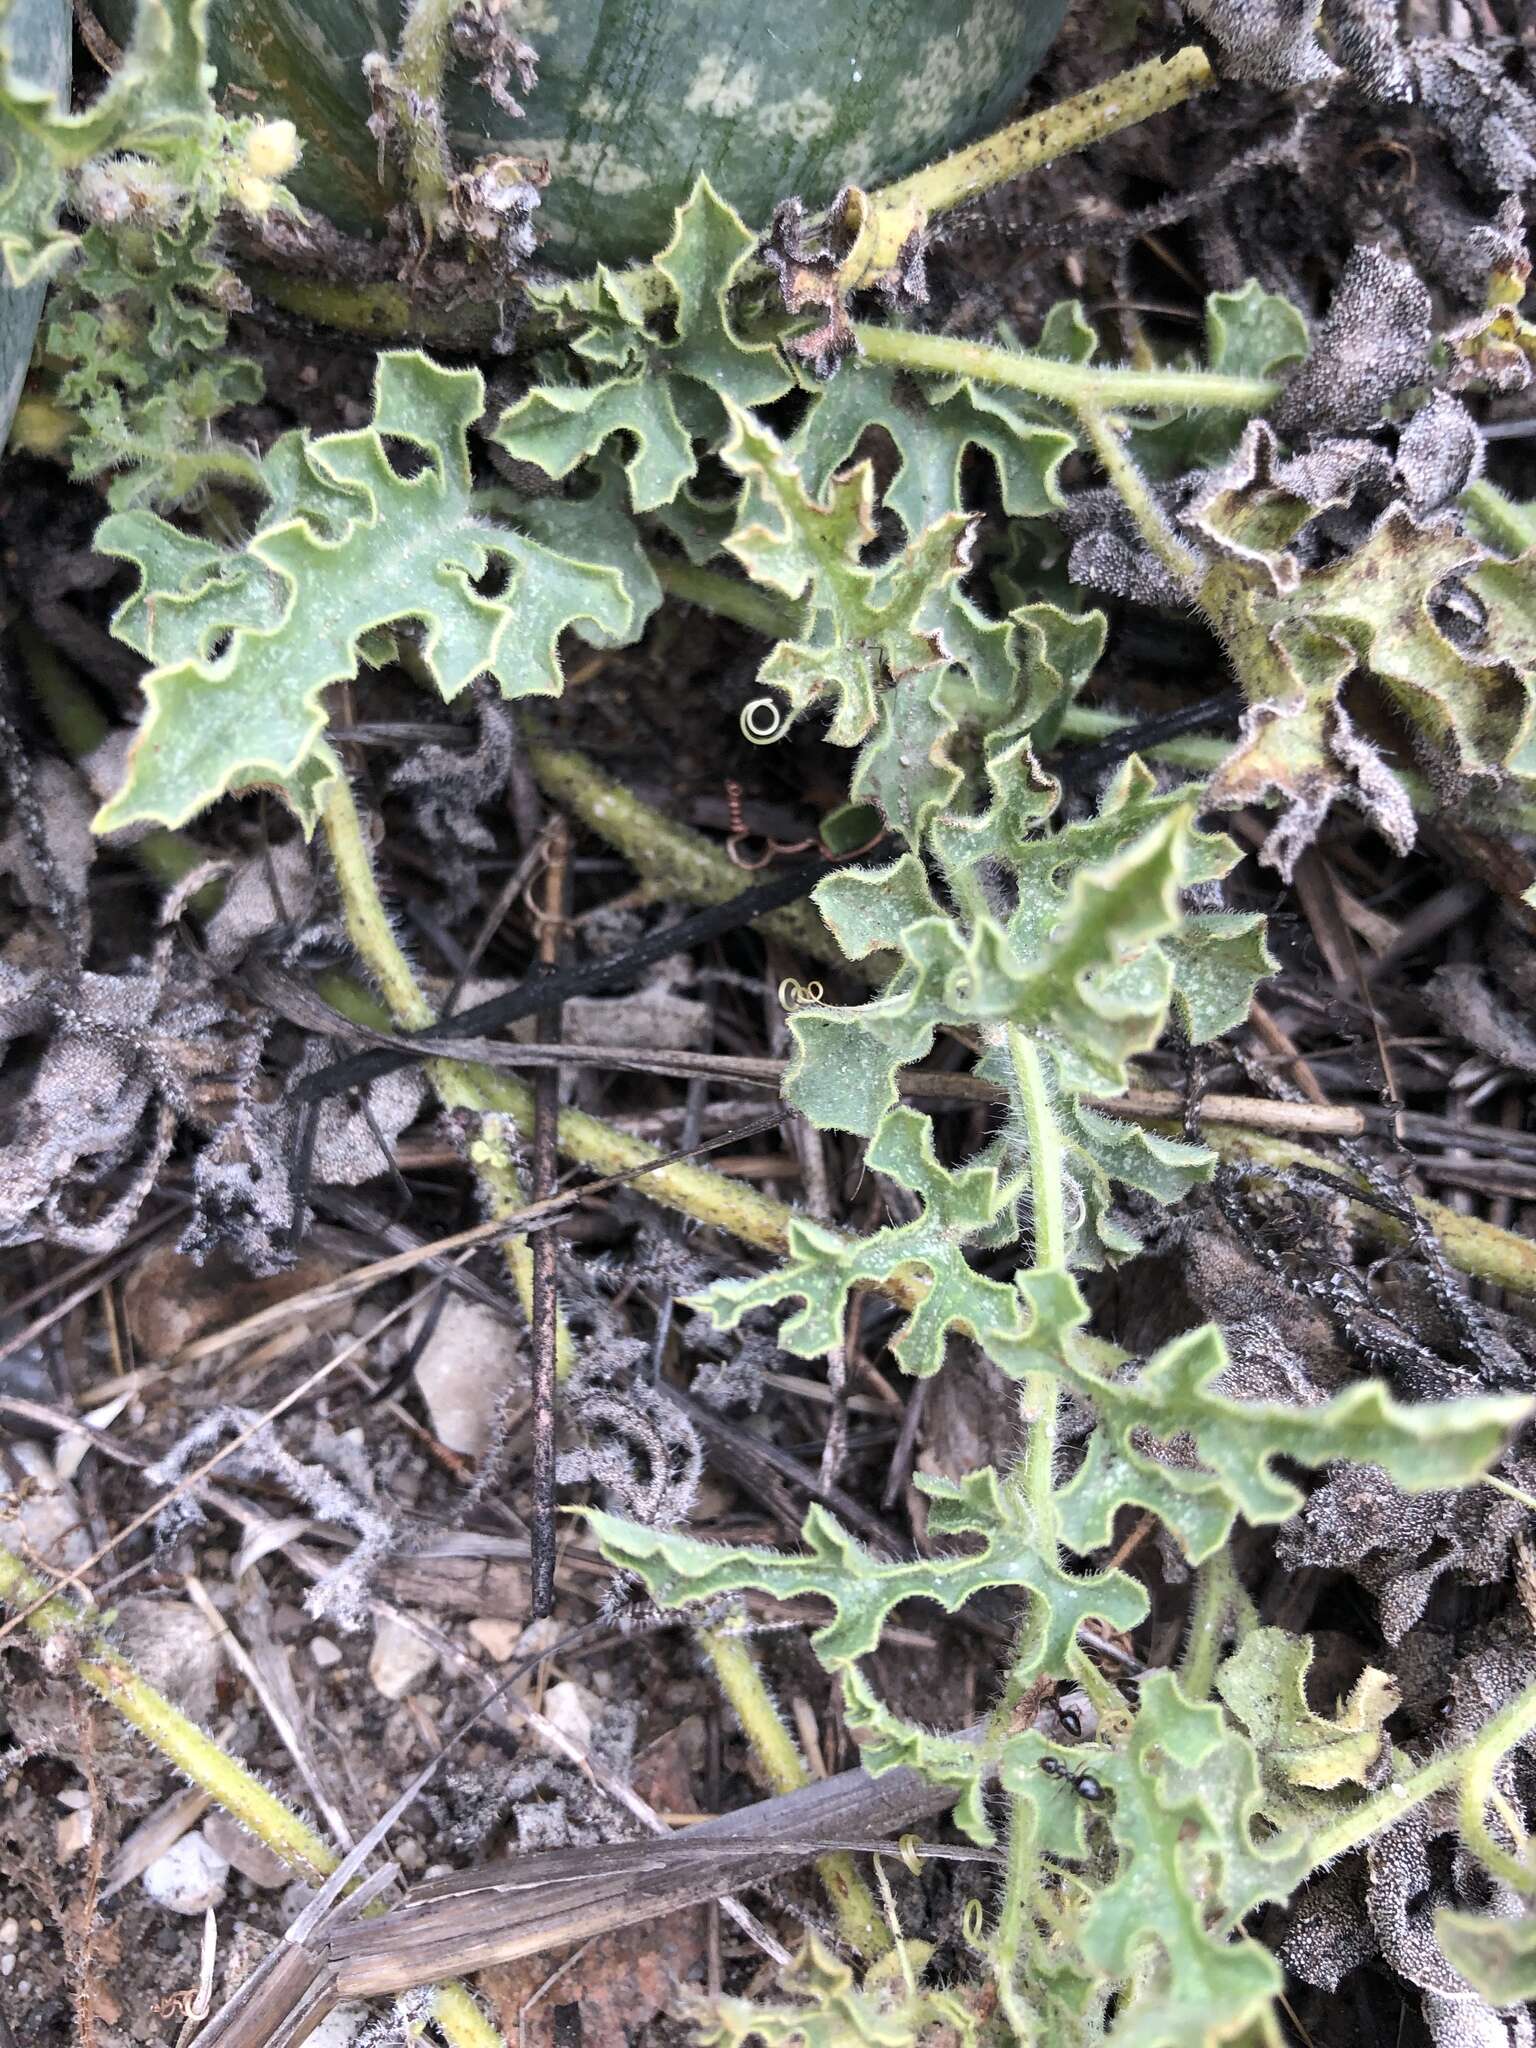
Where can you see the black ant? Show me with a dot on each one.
(1083, 1783)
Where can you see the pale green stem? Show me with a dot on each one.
(1041, 1391)
(1020, 1877)
(1501, 521)
(736, 1670)
(671, 858)
(1069, 384)
(1511, 1725)
(199, 1758)
(731, 597)
(892, 212)
(417, 107)
(1046, 1159)
(1216, 1593)
(458, 1084)
(1181, 562)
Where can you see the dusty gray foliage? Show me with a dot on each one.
(1275, 43)
(341, 1596)
(1488, 121)
(1108, 553)
(551, 1804)
(1372, 346)
(635, 1443)
(1399, 1545)
(1472, 1007)
(447, 787)
(482, 33)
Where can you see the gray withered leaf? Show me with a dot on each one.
(1372, 346)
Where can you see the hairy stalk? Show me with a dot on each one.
(1511, 1725)
(1069, 384)
(730, 597)
(670, 857)
(200, 1759)
(1503, 523)
(1216, 1593)
(1181, 562)
(736, 1669)
(896, 211)
(417, 107)
(458, 1084)
(1034, 1473)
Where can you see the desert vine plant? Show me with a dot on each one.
(687, 443)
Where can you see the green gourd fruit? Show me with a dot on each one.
(634, 99)
(37, 40)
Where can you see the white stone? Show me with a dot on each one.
(71, 1835)
(570, 1708)
(324, 1652)
(10, 1933)
(189, 1877)
(340, 2027)
(469, 1362)
(539, 1637)
(400, 1661)
(497, 1638)
(172, 1645)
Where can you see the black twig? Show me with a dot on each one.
(538, 992)
(546, 1304)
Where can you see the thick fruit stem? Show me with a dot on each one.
(1069, 384)
(896, 211)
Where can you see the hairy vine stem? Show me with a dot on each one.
(739, 1678)
(1069, 384)
(458, 1084)
(894, 212)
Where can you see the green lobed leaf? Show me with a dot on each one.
(1183, 1798)
(157, 93)
(350, 546)
(1497, 1957)
(827, 2008)
(823, 1266)
(864, 1589)
(932, 425)
(1264, 1683)
(864, 626)
(666, 390)
(1235, 1443)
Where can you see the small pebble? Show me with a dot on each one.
(189, 1877)
(7, 1964)
(570, 1707)
(463, 1374)
(324, 1652)
(497, 1638)
(539, 1636)
(400, 1661)
(10, 1933)
(71, 1835)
